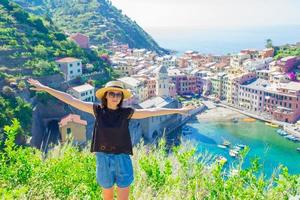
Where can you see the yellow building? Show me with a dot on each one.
(73, 126)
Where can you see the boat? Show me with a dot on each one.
(235, 120)
(279, 130)
(221, 160)
(237, 148)
(248, 119)
(222, 146)
(282, 132)
(226, 143)
(298, 149)
(272, 125)
(242, 146)
(292, 138)
(233, 153)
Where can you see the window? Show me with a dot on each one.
(78, 64)
(78, 70)
(71, 72)
(71, 65)
(68, 130)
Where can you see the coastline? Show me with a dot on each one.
(220, 114)
(224, 113)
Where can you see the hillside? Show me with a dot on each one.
(29, 46)
(31, 43)
(98, 19)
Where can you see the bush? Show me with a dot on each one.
(8, 91)
(42, 67)
(67, 172)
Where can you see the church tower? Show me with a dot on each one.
(162, 82)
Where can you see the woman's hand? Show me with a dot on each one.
(185, 109)
(37, 85)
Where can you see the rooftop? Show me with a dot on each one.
(83, 88)
(130, 81)
(265, 85)
(156, 102)
(175, 72)
(71, 118)
(68, 60)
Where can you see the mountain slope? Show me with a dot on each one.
(29, 42)
(98, 19)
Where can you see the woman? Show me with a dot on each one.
(111, 138)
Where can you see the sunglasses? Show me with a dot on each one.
(115, 94)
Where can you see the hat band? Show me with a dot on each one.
(116, 87)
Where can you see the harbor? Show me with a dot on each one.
(225, 133)
(291, 129)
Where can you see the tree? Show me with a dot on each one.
(40, 51)
(269, 43)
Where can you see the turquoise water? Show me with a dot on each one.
(264, 142)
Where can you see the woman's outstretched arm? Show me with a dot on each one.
(152, 112)
(65, 97)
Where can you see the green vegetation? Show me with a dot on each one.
(14, 107)
(67, 172)
(32, 42)
(285, 51)
(29, 46)
(269, 43)
(98, 19)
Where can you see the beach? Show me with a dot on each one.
(219, 114)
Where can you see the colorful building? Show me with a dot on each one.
(73, 126)
(281, 101)
(82, 40)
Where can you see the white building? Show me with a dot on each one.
(138, 87)
(71, 67)
(257, 64)
(237, 60)
(84, 92)
(139, 52)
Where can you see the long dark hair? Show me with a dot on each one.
(104, 101)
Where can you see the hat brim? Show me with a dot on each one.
(100, 92)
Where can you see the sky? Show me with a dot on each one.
(210, 13)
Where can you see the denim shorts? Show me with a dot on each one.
(113, 168)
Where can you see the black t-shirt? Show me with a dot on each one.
(111, 132)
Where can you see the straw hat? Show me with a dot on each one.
(113, 85)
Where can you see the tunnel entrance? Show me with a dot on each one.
(51, 135)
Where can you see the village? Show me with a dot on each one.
(251, 82)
